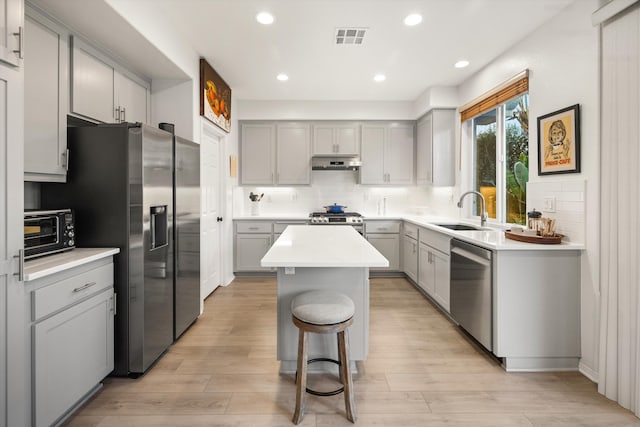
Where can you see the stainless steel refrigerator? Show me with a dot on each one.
(186, 180)
(120, 184)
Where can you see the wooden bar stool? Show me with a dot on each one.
(323, 312)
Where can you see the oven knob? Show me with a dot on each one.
(326, 220)
(71, 234)
(71, 242)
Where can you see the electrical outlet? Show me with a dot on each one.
(289, 270)
(549, 204)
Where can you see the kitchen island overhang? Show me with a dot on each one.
(328, 257)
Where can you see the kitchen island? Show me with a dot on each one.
(327, 257)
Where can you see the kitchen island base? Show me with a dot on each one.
(351, 281)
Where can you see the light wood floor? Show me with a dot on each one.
(421, 371)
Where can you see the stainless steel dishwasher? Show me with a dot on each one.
(471, 290)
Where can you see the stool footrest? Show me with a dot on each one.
(323, 393)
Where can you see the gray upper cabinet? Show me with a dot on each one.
(102, 93)
(130, 99)
(336, 139)
(257, 154)
(387, 154)
(435, 149)
(92, 85)
(293, 154)
(275, 154)
(11, 31)
(46, 99)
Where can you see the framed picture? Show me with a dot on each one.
(559, 141)
(215, 97)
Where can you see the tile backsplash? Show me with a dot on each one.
(342, 187)
(563, 201)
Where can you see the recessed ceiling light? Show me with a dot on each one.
(461, 64)
(264, 18)
(282, 77)
(413, 19)
(379, 77)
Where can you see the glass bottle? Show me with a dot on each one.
(534, 220)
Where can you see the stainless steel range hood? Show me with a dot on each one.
(336, 163)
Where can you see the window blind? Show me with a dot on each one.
(496, 98)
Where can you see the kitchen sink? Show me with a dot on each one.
(459, 227)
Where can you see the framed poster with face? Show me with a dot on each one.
(215, 97)
(559, 141)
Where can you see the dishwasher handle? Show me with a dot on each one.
(470, 255)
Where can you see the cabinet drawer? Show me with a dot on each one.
(253, 227)
(436, 240)
(58, 295)
(382, 227)
(279, 227)
(410, 230)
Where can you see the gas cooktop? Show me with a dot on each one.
(336, 218)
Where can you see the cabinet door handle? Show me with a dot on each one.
(20, 272)
(118, 114)
(20, 36)
(83, 287)
(124, 114)
(65, 157)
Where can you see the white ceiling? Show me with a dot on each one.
(301, 43)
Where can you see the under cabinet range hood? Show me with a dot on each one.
(336, 163)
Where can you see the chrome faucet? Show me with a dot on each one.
(483, 214)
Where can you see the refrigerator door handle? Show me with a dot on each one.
(152, 232)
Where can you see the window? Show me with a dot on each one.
(500, 152)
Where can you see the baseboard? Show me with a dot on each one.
(588, 372)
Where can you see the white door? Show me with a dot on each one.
(210, 225)
(14, 343)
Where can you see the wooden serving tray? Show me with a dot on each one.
(544, 240)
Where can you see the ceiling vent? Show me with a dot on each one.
(350, 35)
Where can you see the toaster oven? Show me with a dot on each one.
(47, 232)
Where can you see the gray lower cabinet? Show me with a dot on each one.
(385, 237)
(410, 257)
(72, 330)
(252, 241)
(434, 265)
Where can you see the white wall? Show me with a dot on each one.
(156, 28)
(562, 58)
(172, 102)
(325, 110)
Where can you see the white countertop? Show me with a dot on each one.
(326, 246)
(51, 264)
(273, 217)
(492, 237)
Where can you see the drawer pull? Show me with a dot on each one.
(83, 287)
(253, 228)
